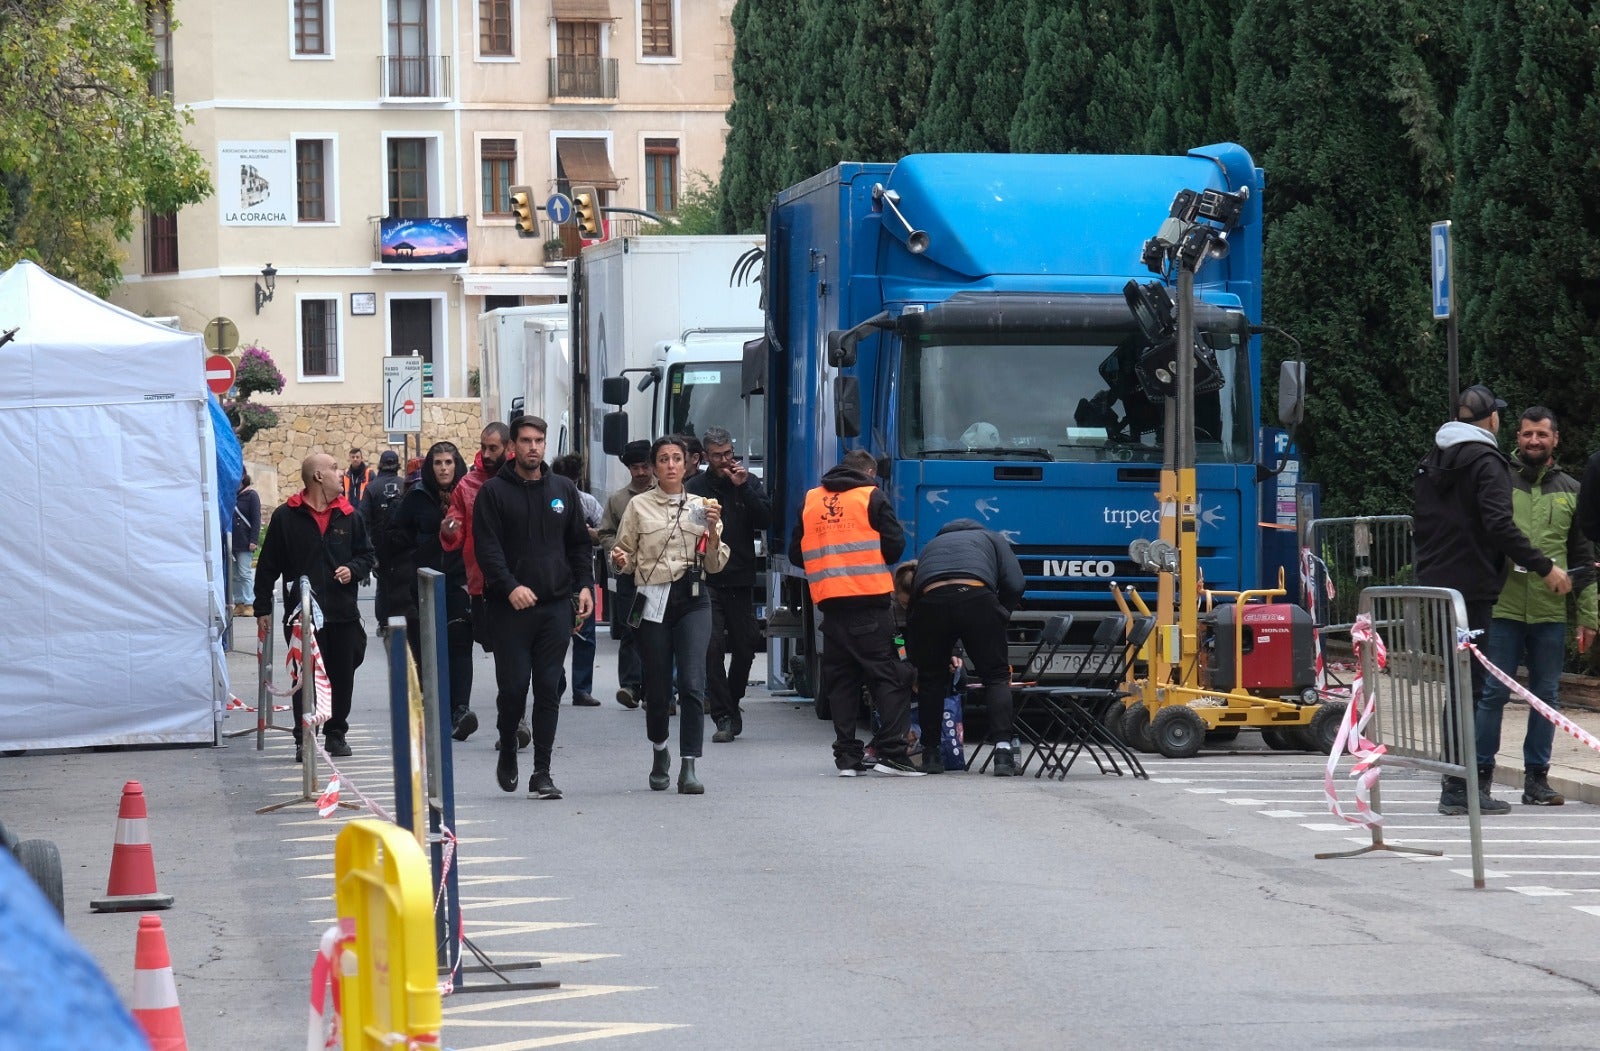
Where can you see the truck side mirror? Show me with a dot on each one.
(614, 430)
(1291, 393)
(614, 391)
(846, 406)
(841, 348)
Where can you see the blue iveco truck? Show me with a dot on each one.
(963, 318)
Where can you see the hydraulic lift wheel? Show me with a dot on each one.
(1136, 728)
(1178, 732)
(1280, 740)
(1324, 728)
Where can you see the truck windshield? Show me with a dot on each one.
(1048, 396)
(705, 394)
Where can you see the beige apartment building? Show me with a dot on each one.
(363, 152)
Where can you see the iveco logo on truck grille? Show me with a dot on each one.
(1085, 567)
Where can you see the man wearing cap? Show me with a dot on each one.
(630, 667)
(381, 495)
(1465, 531)
(1530, 620)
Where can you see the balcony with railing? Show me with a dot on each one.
(583, 77)
(413, 78)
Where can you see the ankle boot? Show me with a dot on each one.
(1488, 804)
(660, 769)
(1536, 790)
(688, 784)
(1453, 797)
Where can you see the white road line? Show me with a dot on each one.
(584, 1031)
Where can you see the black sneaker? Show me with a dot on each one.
(736, 723)
(898, 767)
(860, 766)
(1536, 790)
(505, 770)
(466, 723)
(299, 753)
(628, 697)
(724, 732)
(584, 700)
(1005, 763)
(1453, 797)
(932, 761)
(524, 734)
(336, 746)
(541, 787)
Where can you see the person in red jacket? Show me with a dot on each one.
(455, 534)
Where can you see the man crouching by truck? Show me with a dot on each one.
(846, 538)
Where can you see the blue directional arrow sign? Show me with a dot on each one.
(1439, 250)
(558, 209)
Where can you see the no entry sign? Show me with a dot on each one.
(219, 374)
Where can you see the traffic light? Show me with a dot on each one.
(522, 208)
(586, 206)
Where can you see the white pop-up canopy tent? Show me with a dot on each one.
(111, 562)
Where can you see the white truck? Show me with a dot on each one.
(525, 366)
(670, 315)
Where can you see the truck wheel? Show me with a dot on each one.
(1288, 739)
(42, 862)
(1112, 719)
(1324, 728)
(1136, 728)
(1178, 732)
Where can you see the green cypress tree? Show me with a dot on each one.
(766, 74)
(978, 60)
(1087, 82)
(1526, 215)
(1191, 80)
(885, 77)
(1352, 180)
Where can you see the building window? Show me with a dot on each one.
(661, 175)
(578, 65)
(499, 172)
(412, 71)
(161, 243)
(408, 178)
(158, 16)
(311, 180)
(319, 338)
(310, 27)
(494, 27)
(655, 28)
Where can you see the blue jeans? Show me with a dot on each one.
(1543, 648)
(582, 660)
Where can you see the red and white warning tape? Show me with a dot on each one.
(236, 705)
(1564, 724)
(323, 1030)
(1351, 736)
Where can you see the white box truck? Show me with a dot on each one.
(671, 314)
(525, 366)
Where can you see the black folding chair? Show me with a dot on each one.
(1080, 709)
(1030, 717)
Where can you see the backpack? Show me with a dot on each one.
(382, 496)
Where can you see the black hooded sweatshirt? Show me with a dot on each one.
(413, 542)
(891, 537)
(964, 548)
(531, 534)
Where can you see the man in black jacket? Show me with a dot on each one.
(533, 548)
(967, 584)
(845, 539)
(317, 534)
(1464, 532)
(734, 630)
(381, 495)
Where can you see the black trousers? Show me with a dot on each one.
(735, 636)
(343, 646)
(673, 651)
(630, 666)
(1480, 616)
(973, 616)
(858, 652)
(530, 646)
(458, 639)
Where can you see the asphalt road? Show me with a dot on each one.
(790, 908)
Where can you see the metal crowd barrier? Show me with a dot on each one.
(1423, 715)
(1353, 554)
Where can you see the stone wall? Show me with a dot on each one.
(273, 456)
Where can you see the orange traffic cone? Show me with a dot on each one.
(155, 995)
(132, 884)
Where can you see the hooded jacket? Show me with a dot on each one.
(1544, 502)
(414, 542)
(294, 547)
(964, 548)
(880, 516)
(1463, 521)
(531, 534)
(462, 500)
(745, 512)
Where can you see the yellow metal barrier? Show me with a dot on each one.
(389, 987)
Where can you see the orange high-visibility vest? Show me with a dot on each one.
(843, 553)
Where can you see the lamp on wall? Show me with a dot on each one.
(269, 273)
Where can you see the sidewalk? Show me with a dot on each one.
(1574, 766)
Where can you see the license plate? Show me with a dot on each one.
(1066, 664)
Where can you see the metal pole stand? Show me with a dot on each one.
(433, 623)
(264, 696)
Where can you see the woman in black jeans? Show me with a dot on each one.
(669, 539)
(413, 530)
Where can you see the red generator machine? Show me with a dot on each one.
(1273, 647)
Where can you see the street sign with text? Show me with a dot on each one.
(402, 394)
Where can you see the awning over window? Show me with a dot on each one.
(584, 163)
(581, 10)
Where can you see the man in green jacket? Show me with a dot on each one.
(1530, 620)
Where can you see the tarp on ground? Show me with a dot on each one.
(111, 562)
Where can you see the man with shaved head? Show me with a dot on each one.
(317, 534)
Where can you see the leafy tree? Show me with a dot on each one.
(1335, 106)
(975, 80)
(1191, 78)
(1526, 214)
(767, 69)
(884, 79)
(1087, 83)
(698, 211)
(83, 143)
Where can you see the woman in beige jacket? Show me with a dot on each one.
(669, 539)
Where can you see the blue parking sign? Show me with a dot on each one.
(1439, 253)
